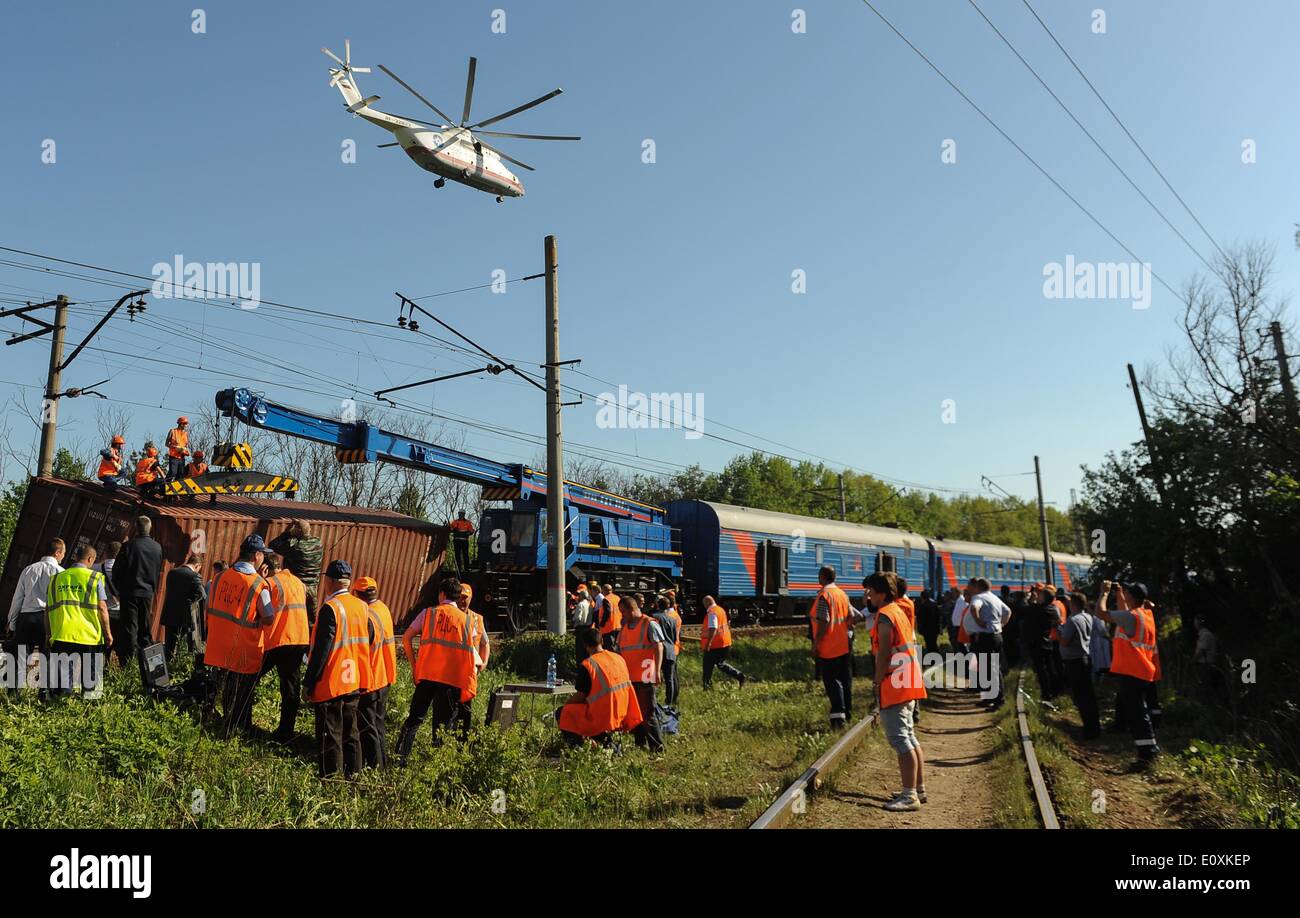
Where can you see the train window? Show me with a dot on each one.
(820, 555)
(884, 562)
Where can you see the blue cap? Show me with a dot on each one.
(253, 543)
(339, 570)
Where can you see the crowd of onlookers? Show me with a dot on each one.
(1070, 642)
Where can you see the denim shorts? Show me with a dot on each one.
(899, 730)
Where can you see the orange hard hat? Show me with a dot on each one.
(467, 591)
(361, 584)
(151, 452)
(119, 441)
(182, 420)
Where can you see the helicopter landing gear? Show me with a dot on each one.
(439, 183)
(500, 199)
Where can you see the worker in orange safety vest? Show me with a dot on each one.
(715, 642)
(111, 464)
(609, 617)
(372, 706)
(1135, 663)
(461, 530)
(898, 686)
(641, 644)
(285, 640)
(239, 608)
(605, 702)
(445, 670)
(831, 618)
(147, 472)
(197, 466)
(339, 670)
(178, 448)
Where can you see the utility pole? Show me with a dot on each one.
(1157, 474)
(844, 507)
(1288, 385)
(54, 378)
(1042, 523)
(555, 571)
(53, 384)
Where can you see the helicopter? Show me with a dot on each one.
(450, 150)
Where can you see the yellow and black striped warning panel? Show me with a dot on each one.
(500, 492)
(233, 483)
(233, 455)
(351, 456)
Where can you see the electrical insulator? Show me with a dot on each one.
(414, 325)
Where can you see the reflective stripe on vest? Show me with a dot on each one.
(426, 635)
(243, 619)
(598, 676)
(347, 666)
(1137, 656)
(75, 619)
(641, 635)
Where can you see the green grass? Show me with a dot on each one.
(1067, 782)
(1015, 800)
(127, 761)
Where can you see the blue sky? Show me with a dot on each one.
(775, 151)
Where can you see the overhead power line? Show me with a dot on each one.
(1123, 127)
(1021, 150)
(211, 341)
(1096, 143)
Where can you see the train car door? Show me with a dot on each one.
(774, 563)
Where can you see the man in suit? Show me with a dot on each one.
(135, 577)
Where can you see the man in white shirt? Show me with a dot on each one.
(989, 612)
(25, 626)
(959, 617)
(582, 615)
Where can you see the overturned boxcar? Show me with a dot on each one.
(400, 552)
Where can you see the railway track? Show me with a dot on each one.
(794, 798)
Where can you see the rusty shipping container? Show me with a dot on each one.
(400, 552)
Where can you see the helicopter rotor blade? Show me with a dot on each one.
(347, 52)
(382, 145)
(506, 156)
(469, 90)
(412, 91)
(527, 136)
(334, 56)
(360, 69)
(515, 111)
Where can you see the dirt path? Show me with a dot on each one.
(1159, 799)
(957, 738)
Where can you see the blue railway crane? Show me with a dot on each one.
(607, 537)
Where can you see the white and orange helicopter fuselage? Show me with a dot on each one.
(450, 151)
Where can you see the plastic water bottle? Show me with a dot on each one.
(550, 672)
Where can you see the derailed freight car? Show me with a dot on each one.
(400, 552)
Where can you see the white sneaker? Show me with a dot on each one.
(920, 795)
(903, 802)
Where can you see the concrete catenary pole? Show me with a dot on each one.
(844, 507)
(53, 383)
(1042, 523)
(1288, 384)
(555, 580)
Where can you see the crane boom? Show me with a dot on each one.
(360, 441)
